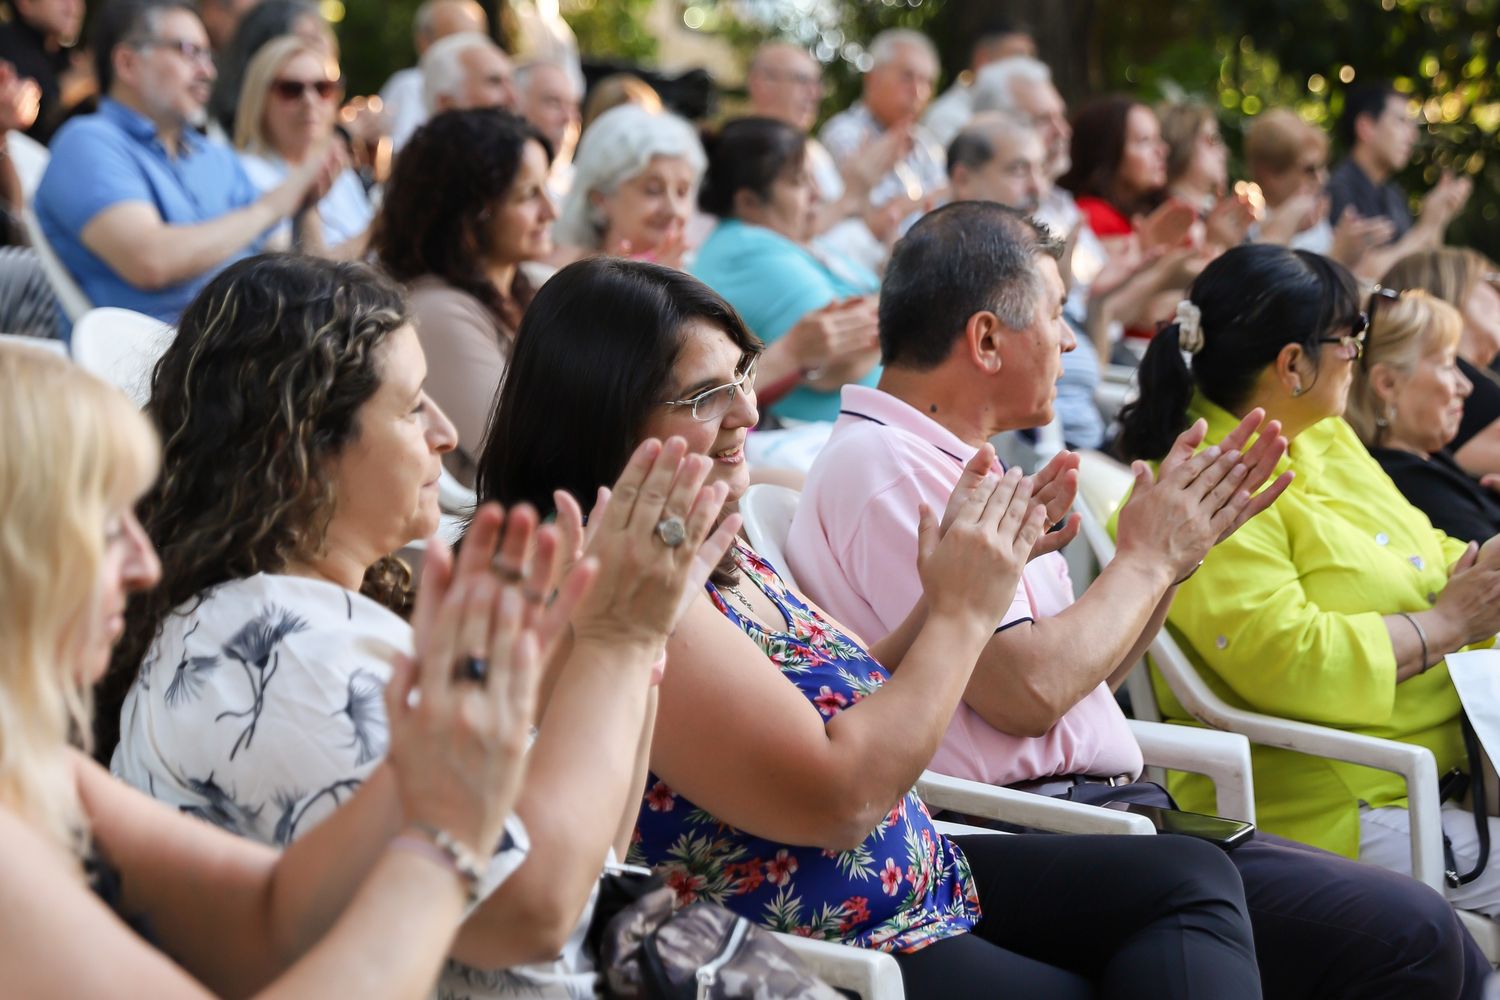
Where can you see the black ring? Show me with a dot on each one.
(473, 668)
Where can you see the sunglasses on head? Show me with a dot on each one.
(292, 90)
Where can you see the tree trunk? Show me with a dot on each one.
(1063, 29)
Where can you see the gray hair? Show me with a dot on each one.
(994, 85)
(974, 146)
(617, 146)
(883, 47)
(442, 69)
(527, 70)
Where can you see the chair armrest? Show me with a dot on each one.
(1039, 812)
(1223, 757)
(874, 975)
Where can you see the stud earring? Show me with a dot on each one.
(1297, 390)
(1384, 420)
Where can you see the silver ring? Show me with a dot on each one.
(672, 531)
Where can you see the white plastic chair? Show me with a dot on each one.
(121, 347)
(30, 159)
(64, 286)
(1415, 764)
(1224, 758)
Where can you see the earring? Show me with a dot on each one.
(1297, 390)
(1384, 420)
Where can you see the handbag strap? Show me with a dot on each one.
(1481, 812)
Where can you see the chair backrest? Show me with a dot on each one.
(40, 343)
(121, 347)
(768, 511)
(30, 159)
(74, 302)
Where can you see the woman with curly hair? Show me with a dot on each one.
(104, 887)
(301, 452)
(466, 208)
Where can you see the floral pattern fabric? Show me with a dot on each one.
(903, 888)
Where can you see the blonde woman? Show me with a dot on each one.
(286, 116)
(85, 858)
(1406, 405)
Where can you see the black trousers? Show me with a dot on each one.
(1082, 917)
(1327, 927)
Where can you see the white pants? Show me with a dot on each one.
(1385, 840)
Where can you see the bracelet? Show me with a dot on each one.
(1421, 637)
(440, 846)
(1178, 583)
(812, 374)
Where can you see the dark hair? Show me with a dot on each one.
(124, 21)
(995, 27)
(260, 388)
(266, 20)
(593, 357)
(964, 258)
(746, 154)
(970, 148)
(1363, 99)
(1255, 299)
(435, 216)
(1097, 149)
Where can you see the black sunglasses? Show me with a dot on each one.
(292, 90)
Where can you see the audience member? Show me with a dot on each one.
(1287, 158)
(1119, 165)
(615, 90)
(466, 208)
(465, 71)
(38, 41)
(220, 18)
(974, 355)
(819, 324)
(635, 182)
(1338, 607)
(1197, 160)
(1001, 38)
(266, 20)
(286, 117)
(547, 98)
(1406, 405)
(1379, 133)
(292, 578)
(1465, 279)
(139, 206)
(784, 753)
(121, 889)
(401, 97)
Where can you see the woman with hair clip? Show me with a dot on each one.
(466, 214)
(783, 765)
(1337, 606)
(248, 685)
(101, 884)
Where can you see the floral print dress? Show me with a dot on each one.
(902, 889)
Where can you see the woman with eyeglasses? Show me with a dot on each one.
(1338, 607)
(286, 117)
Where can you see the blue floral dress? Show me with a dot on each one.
(902, 889)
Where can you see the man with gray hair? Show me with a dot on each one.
(547, 98)
(1022, 86)
(1002, 38)
(402, 93)
(466, 71)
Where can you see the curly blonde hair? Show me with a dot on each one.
(75, 449)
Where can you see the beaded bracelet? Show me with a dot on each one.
(440, 846)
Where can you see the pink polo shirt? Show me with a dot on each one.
(853, 548)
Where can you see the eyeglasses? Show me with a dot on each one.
(711, 404)
(1378, 294)
(1354, 340)
(191, 51)
(292, 90)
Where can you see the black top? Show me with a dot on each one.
(23, 47)
(1452, 500)
(1349, 185)
(1481, 409)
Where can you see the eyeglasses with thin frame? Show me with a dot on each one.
(1378, 294)
(711, 404)
(292, 90)
(191, 51)
(1354, 340)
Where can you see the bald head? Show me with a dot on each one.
(440, 18)
(786, 83)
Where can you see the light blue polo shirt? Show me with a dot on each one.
(772, 282)
(114, 156)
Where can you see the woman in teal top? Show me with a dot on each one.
(817, 320)
(1337, 605)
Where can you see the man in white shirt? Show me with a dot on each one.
(1002, 38)
(547, 97)
(402, 93)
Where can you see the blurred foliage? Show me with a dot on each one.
(613, 29)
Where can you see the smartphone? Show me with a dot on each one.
(1224, 833)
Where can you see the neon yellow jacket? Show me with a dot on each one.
(1285, 618)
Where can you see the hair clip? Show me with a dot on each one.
(1189, 321)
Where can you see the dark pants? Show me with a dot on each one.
(1328, 927)
(1083, 917)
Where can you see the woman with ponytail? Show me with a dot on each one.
(1336, 606)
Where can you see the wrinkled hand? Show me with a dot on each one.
(970, 570)
(1056, 488)
(1471, 599)
(1200, 498)
(457, 747)
(837, 332)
